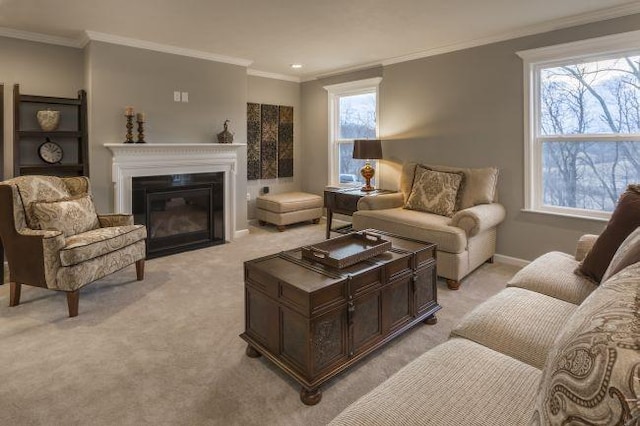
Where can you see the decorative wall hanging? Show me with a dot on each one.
(269, 141)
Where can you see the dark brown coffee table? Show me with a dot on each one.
(314, 321)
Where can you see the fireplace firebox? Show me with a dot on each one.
(182, 212)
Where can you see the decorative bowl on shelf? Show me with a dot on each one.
(48, 119)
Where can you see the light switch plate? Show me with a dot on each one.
(176, 96)
(185, 97)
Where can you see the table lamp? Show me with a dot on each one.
(367, 149)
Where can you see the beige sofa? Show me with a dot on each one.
(465, 241)
(552, 348)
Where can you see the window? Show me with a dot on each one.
(353, 114)
(582, 125)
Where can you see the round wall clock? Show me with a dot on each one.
(50, 152)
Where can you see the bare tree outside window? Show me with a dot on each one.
(589, 129)
(357, 120)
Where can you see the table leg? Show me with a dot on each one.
(329, 219)
(431, 320)
(252, 352)
(310, 397)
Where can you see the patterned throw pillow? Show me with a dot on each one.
(434, 192)
(592, 372)
(71, 216)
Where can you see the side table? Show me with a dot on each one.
(345, 201)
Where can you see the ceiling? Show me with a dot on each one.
(325, 36)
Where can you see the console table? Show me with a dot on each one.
(345, 201)
(313, 321)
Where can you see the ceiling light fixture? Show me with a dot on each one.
(296, 66)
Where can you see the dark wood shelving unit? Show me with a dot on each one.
(1, 171)
(28, 137)
(39, 133)
(39, 169)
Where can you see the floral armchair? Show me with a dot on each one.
(54, 239)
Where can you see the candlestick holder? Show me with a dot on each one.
(141, 132)
(129, 126)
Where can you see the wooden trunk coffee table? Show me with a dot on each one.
(314, 321)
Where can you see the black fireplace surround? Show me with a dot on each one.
(181, 212)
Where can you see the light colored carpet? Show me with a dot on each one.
(167, 351)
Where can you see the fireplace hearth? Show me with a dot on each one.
(182, 212)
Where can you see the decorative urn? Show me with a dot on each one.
(225, 136)
(48, 119)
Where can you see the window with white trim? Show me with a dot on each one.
(582, 141)
(353, 114)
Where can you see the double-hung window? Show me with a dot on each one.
(353, 114)
(582, 125)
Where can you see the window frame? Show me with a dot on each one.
(534, 61)
(335, 92)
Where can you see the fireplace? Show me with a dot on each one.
(161, 159)
(181, 212)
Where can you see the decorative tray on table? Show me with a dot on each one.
(347, 250)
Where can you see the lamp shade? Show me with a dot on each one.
(367, 149)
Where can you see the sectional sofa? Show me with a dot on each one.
(551, 348)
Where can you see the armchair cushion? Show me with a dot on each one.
(115, 219)
(72, 216)
(479, 218)
(39, 188)
(71, 278)
(380, 202)
(414, 224)
(434, 192)
(77, 185)
(91, 244)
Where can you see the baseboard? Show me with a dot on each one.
(508, 260)
(241, 233)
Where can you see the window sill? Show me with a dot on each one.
(569, 215)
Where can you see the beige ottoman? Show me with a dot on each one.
(289, 207)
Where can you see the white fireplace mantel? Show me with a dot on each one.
(134, 160)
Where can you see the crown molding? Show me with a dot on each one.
(353, 86)
(609, 44)
(556, 24)
(341, 71)
(40, 38)
(165, 48)
(273, 75)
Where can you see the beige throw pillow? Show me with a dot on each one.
(71, 216)
(434, 192)
(627, 254)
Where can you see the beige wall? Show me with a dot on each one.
(119, 76)
(277, 92)
(465, 109)
(40, 69)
